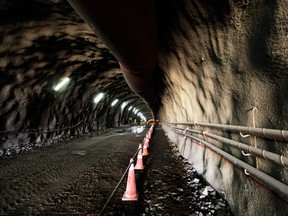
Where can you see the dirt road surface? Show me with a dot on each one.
(77, 177)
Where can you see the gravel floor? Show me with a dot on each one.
(172, 186)
(77, 177)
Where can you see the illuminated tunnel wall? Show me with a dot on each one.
(227, 62)
(220, 60)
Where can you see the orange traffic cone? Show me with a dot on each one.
(148, 135)
(145, 150)
(139, 163)
(131, 192)
(146, 142)
(140, 152)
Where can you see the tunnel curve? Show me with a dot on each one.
(217, 62)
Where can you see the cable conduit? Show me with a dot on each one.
(274, 134)
(267, 155)
(278, 187)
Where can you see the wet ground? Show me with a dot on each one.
(77, 177)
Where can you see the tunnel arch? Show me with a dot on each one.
(218, 61)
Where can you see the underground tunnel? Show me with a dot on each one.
(78, 78)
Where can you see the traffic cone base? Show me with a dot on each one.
(127, 197)
(131, 193)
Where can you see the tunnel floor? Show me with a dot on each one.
(77, 177)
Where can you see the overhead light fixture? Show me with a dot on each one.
(114, 102)
(98, 97)
(130, 108)
(61, 84)
(124, 104)
(135, 111)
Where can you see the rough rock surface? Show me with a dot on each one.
(220, 61)
(42, 42)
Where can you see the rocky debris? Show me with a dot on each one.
(173, 187)
(191, 194)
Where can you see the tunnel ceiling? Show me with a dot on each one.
(43, 42)
(223, 62)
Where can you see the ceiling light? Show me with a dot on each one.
(63, 82)
(114, 102)
(99, 97)
(124, 104)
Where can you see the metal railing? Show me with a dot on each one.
(273, 184)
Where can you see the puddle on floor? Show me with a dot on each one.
(79, 152)
(137, 129)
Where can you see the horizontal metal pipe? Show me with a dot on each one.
(267, 155)
(278, 187)
(279, 159)
(280, 135)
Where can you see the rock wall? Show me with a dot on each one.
(222, 60)
(40, 43)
